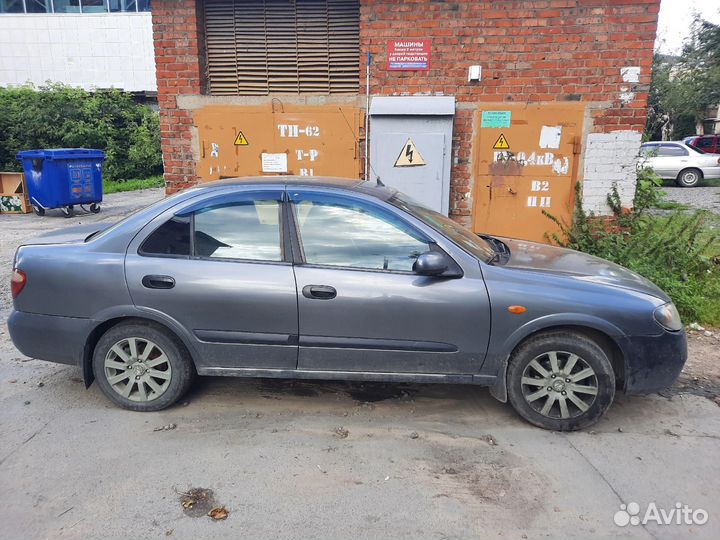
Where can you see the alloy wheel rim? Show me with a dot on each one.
(138, 369)
(559, 385)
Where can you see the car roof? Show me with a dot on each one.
(655, 143)
(376, 189)
(291, 180)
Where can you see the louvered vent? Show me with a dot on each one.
(258, 47)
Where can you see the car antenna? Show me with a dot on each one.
(379, 182)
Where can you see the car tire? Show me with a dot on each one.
(142, 367)
(689, 177)
(532, 382)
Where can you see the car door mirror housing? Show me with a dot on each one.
(434, 263)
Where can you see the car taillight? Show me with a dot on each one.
(17, 282)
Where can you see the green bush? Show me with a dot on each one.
(57, 116)
(679, 253)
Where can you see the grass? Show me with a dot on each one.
(133, 185)
(671, 205)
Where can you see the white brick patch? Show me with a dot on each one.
(610, 158)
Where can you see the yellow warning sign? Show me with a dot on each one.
(409, 156)
(501, 143)
(240, 140)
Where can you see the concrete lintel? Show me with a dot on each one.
(197, 101)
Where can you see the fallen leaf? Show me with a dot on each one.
(218, 513)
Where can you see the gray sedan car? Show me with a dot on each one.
(338, 279)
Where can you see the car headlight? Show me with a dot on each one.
(668, 317)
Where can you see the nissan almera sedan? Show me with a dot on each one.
(338, 279)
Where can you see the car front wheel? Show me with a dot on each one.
(561, 381)
(142, 367)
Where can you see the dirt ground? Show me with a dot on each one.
(334, 460)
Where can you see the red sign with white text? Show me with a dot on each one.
(408, 55)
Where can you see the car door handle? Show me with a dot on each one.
(158, 282)
(319, 292)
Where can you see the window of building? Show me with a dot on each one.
(93, 6)
(38, 6)
(258, 47)
(73, 6)
(67, 6)
(11, 6)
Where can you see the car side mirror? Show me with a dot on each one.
(431, 263)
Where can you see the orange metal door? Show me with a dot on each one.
(251, 141)
(526, 162)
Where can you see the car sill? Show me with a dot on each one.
(484, 380)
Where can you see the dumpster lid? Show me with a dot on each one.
(62, 153)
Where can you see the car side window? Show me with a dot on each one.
(347, 234)
(671, 150)
(172, 238)
(247, 230)
(705, 142)
(648, 150)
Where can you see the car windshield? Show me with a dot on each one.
(458, 234)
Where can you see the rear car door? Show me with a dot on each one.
(670, 160)
(361, 308)
(219, 269)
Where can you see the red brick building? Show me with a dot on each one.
(590, 57)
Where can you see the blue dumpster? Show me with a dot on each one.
(63, 178)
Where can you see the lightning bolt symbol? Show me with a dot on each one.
(409, 152)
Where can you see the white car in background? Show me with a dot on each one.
(678, 161)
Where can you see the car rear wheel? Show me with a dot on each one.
(142, 367)
(689, 177)
(561, 381)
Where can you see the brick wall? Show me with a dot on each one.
(177, 35)
(530, 51)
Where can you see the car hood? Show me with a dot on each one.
(576, 265)
(68, 235)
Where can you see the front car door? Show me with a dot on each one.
(219, 269)
(362, 309)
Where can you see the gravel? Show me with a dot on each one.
(705, 198)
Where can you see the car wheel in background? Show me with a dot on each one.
(561, 381)
(142, 367)
(689, 177)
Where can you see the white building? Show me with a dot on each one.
(86, 43)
